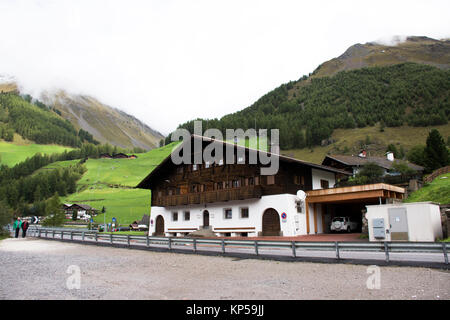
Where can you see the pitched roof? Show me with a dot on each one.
(380, 161)
(207, 139)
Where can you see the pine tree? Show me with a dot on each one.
(436, 153)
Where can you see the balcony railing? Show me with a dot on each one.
(241, 193)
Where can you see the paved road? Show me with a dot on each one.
(38, 269)
(399, 258)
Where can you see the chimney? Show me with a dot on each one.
(390, 156)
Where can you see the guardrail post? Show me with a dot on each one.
(336, 244)
(169, 244)
(128, 239)
(111, 238)
(386, 251)
(256, 248)
(82, 236)
(46, 232)
(148, 241)
(444, 249)
(96, 236)
(223, 246)
(39, 233)
(71, 235)
(294, 253)
(53, 234)
(195, 245)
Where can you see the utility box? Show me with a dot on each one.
(417, 221)
(378, 228)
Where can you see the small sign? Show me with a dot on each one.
(284, 216)
(92, 220)
(113, 219)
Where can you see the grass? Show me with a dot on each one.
(437, 191)
(123, 172)
(110, 183)
(12, 153)
(444, 240)
(126, 205)
(348, 141)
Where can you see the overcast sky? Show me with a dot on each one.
(169, 61)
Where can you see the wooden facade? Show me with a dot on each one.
(186, 184)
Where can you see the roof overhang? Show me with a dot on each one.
(144, 183)
(355, 193)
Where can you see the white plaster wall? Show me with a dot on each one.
(423, 220)
(318, 175)
(295, 223)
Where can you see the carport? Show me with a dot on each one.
(324, 204)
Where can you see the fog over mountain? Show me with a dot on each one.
(165, 62)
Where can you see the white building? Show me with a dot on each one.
(417, 221)
(234, 199)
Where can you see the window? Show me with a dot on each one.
(270, 179)
(174, 216)
(241, 159)
(228, 214)
(236, 183)
(244, 213)
(207, 165)
(219, 185)
(251, 181)
(324, 184)
(194, 167)
(299, 180)
(221, 162)
(187, 216)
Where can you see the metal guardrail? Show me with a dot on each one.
(254, 245)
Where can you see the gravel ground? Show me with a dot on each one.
(37, 269)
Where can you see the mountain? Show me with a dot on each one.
(402, 85)
(105, 123)
(421, 50)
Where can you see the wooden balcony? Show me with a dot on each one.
(241, 193)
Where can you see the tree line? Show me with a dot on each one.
(308, 110)
(36, 121)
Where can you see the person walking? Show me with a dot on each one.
(24, 228)
(17, 225)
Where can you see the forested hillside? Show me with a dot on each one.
(37, 122)
(391, 96)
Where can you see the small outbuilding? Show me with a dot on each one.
(416, 221)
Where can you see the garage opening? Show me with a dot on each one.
(159, 231)
(346, 204)
(337, 211)
(271, 223)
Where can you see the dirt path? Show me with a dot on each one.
(37, 269)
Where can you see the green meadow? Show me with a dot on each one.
(110, 183)
(11, 154)
(123, 172)
(126, 205)
(437, 191)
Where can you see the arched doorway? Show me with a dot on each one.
(205, 218)
(271, 223)
(159, 231)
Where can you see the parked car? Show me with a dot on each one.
(343, 224)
